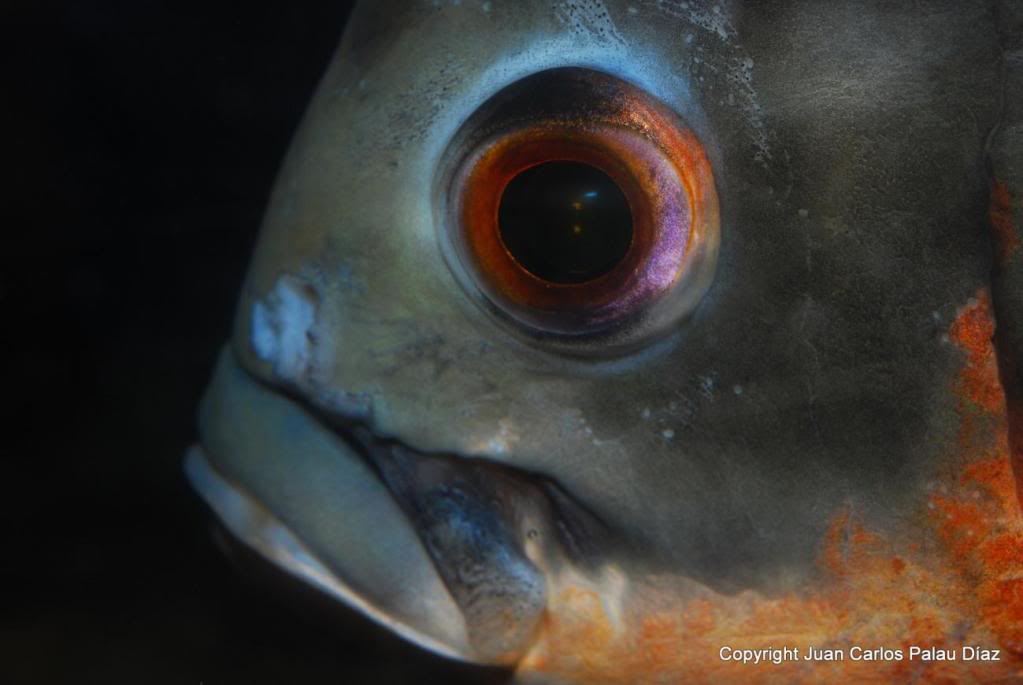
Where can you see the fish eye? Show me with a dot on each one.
(580, 210)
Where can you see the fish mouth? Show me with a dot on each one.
(451, 553)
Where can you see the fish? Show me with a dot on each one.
(646, 341)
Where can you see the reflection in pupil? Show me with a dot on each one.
(565, 222)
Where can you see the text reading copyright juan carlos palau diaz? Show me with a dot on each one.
(779, 655)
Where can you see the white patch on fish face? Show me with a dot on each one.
(282, 328)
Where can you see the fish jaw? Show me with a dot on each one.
(267, 470)
(453, 554)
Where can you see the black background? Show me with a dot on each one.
(142, 138)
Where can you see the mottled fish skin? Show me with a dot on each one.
(822, 448)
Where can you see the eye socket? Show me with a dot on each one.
(581, 210)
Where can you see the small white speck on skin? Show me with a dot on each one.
(689, 39)
(501, 442)
(633, 10)
(976, 494)
(944, 339)
(803, 213)
(936, 316)
(737, 389)
(667, 433)
(645, 414)
(533, 545)
(930, 505)
(486, 7)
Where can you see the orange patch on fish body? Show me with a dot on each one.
(956, 581)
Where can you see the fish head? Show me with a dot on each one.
(533, 462)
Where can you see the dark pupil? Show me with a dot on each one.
(565, 222)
